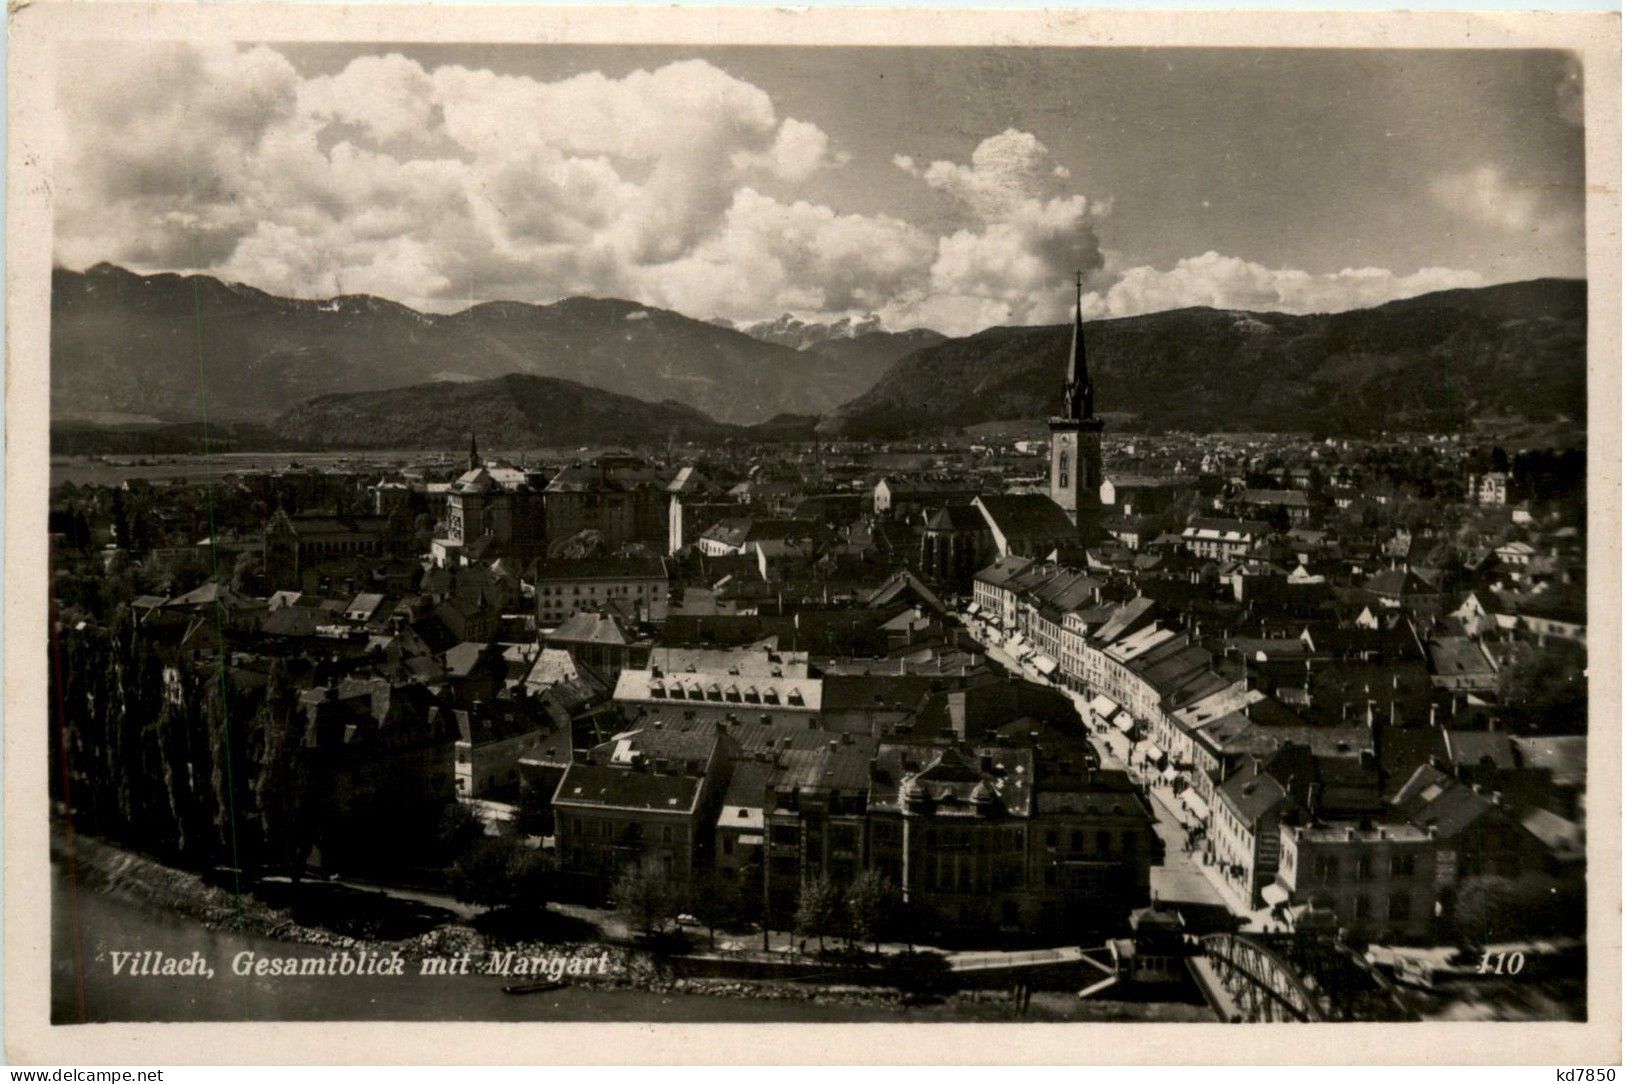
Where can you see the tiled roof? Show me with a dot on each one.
(1027, 515)
(627, 788)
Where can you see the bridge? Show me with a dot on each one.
(1067, 956)
(1298, 978)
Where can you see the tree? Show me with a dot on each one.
(818, 910)
(279, 785)
(873, 903)
(231, 777)
(456, 831)
(717, 901)
(646, 897)
(121, 522)
(1547, 693)
(248, 574)
(184, 772)
(1491, 909)
(499, 872)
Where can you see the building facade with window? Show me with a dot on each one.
(1380, 881)
(638, 588)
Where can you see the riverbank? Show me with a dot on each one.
(106, 899)
(100, 867)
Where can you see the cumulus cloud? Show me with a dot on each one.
(1024, 239)
(435, 186)
(771, 257)
(681, 187)
(1226, 282)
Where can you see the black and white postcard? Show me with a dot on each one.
(980, 523)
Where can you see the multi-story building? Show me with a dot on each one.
(1222, 539)
(603, 642)
(494, 735)
(491, 510)
(1490, 488)
(905, 496)
(297, 544)
(621, 497)
(718, 696)
(757, 535)
(1380, 881)
(992, 593)
(635, 587)
(649, 794)
(976, 839)
(1244, 831)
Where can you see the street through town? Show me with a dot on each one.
(1180, 878)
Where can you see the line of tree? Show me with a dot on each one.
(870, 909)
(200, 770)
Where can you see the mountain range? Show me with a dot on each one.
(1435, 362)
(182, 348)
(513, 411)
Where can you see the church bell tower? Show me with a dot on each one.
(1074, 444)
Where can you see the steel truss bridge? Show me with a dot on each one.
(1267, 978)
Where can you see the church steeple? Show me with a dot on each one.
(1074, 444)
(473, 453)
(1080, 390)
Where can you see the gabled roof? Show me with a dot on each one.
(1399, 583)
(1127, 618)
(1229, 529)
(1283, 498)
(591, 628)
(956, 517)
(1471, 748)
(1000, 572)
(1026, 516)
(555, 569)
(903, 585)
(1251, 794)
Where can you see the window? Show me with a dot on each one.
(1325, 868)
(1362, 906)
(1402, 865)
(1077, 839)
(1103, 841)
(1399, 907)
(1362, 868)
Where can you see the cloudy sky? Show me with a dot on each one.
(954, 189)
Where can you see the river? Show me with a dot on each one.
(88, 927)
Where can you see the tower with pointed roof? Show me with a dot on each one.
(1074, 454)
(473, 453)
